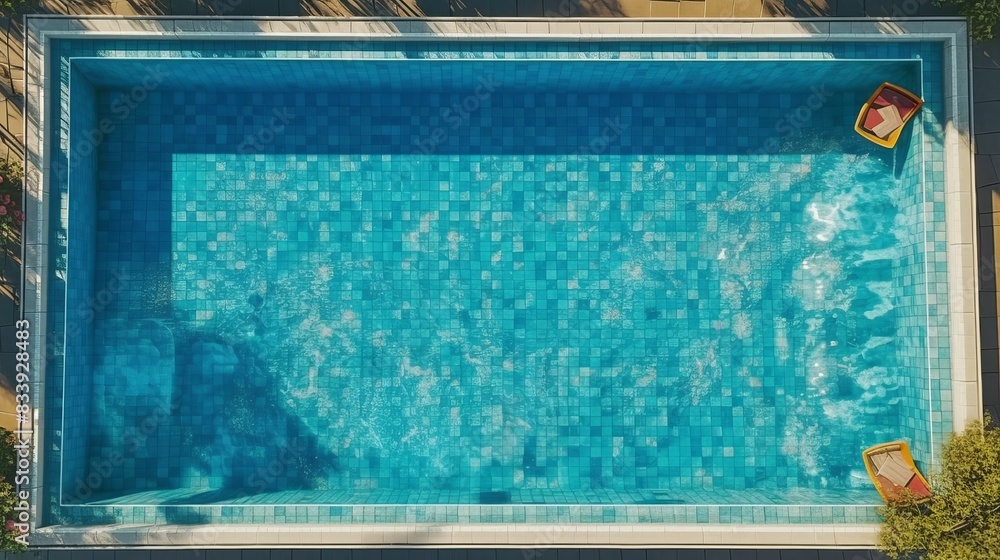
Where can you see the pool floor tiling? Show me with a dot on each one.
(490, 282)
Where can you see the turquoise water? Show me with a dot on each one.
(503, 314)
(494, 291)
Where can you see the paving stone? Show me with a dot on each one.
(297, 8)
(719, 8)
(988, 143)
(692, 9)
(530, 8)
(986, 173)
(986, 54)
(878, 8)
(664, 9)
(561, 8)
(795, 554)
(598, 8)
(987, 116)
(629, 8)
(850, 8)
(428, 8)
(748, 8)
(318, 8)
(470, 8)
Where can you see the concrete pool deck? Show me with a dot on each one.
(960, 214)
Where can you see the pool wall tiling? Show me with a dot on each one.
(82, 261)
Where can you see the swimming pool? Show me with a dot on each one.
(490, 281)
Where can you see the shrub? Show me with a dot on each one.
(9, 8)
(11, 215)
(963, 519)
(8, 496)
(983, 15)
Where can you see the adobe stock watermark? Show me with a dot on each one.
(795, 120)
(544, 541)
(456, 115)
(87, 311)
(101, 470)
(121, 108)
(280, 118)
(612, 131)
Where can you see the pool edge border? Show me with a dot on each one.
(962, 245)
(512, 535)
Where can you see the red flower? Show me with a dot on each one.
(3, 210)
(18, 215)
(6, 199)
(10, 525)
(1, 178)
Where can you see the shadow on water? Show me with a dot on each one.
(240, 437)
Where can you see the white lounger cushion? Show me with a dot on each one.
(891, 121)
(896, 470)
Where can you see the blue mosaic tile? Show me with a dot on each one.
(414, 307)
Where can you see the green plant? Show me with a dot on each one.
(11, 216)
(963, 519)
(983, 15)
(9, 8)
(8, 496)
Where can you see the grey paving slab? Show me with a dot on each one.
(281, 554)
(425, 8)
(989, 334)
(986, 54)
(661, 554)
(984, 202)
(849, 8)
(224, 554)
(185, 554)
(797, 554)
(376, 554)
(610, 554)
(988, 143)
(986, 84)
(517, 554)
(530, 8)
(567, 554)
(987, 117)
(878, 8)
(466, 8)
(131, 555)
(986, 173)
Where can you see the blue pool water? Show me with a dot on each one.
(493, 292)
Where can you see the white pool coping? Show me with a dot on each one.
(961, 226)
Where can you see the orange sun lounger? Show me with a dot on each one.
(892, 470)
(886, 113)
